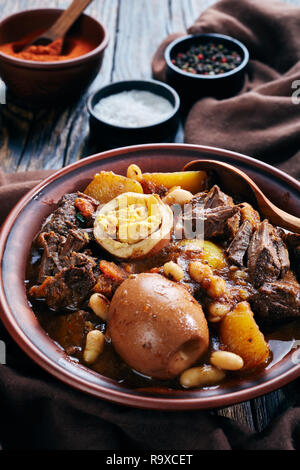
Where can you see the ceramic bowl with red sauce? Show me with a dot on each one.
(23, 325)
(44, 82)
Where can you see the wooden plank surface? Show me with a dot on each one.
(51, 138)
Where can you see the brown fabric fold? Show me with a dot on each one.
(262, 121)
(14, 185)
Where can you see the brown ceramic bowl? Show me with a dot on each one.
(24, 222)
(50, 82)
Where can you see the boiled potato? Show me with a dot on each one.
(240, 334)
(213, 254)
(209, 252)
(106, 185)
(193, 181)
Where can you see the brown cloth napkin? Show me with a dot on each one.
(262, 120)
(39, 412)
(14, 185)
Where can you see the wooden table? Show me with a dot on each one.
(52, 138)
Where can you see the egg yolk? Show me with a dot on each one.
(131, 221)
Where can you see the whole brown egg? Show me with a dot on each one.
(156, 326)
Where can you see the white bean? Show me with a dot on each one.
(178, 196)
(200, 271)
(94, 345)
(217, 310)
(202, 376)
(174, 270)
(226, 360)
(100, 305)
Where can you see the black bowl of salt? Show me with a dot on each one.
(133, 112)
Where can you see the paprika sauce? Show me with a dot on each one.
(59, 50)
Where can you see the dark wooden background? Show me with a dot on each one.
(52, 138)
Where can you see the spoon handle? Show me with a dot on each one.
(67, 18)
(277, 216)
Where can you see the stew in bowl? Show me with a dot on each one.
(152, 288)
(162, 279)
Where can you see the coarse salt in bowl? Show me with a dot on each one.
(133, 108)
(132, 112)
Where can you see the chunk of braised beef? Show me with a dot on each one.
(57, 250)
(84, 260)
(277, 301)
(211, 222)
(238, 247)
(66, 275)
(283, 254)
(50, 262)
(268, 257)
(216, 220)
(249, 220)
(67, 289)
(232, 226)
(76, 241)
(216, 199)
(64, 217)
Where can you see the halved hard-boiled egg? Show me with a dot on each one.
(133, 225)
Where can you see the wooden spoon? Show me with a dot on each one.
(62, 24)
(233, 179)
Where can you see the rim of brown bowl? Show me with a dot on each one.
(138, 399)
(55, 64)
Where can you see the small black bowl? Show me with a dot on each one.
(194, 86)
(107, 136)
